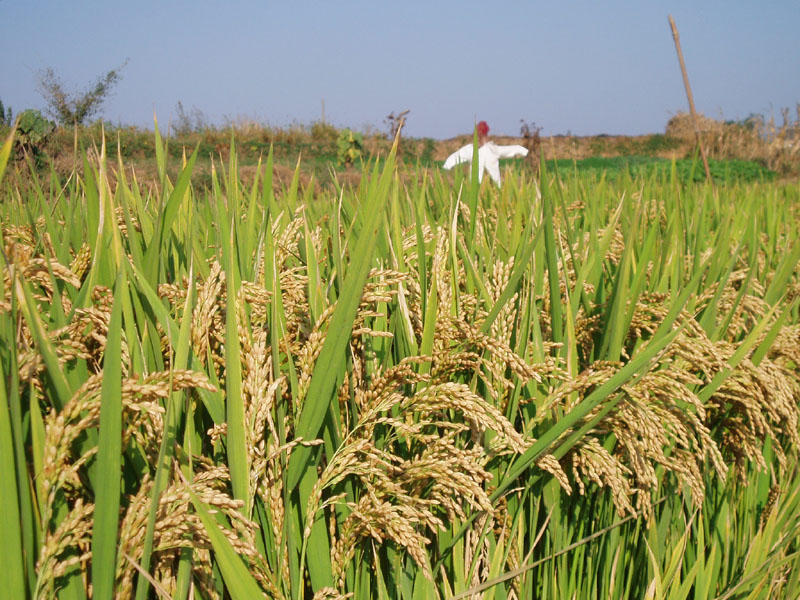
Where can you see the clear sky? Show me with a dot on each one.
(580, 67)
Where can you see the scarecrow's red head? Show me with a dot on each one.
(483, 129)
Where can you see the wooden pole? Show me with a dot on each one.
(689, 96)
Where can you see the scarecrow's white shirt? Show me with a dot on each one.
(489, 156)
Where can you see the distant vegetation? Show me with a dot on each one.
(686, 169)
(756, 148)
(775, 144)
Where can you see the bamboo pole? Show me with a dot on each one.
(689, 96)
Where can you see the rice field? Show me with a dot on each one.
(419, 387)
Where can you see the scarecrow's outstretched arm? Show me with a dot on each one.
(459, 156)
(511, 151)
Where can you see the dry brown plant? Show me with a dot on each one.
(764, 139)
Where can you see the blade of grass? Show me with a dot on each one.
(327, 366)
(155, 247)
(55, 375)
(239, 583)
(234, 402)
(109, 455)
(167, 447)
(5, 151)
(12, 575)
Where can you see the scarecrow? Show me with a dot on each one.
(489, 154)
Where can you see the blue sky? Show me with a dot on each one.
(580, 67)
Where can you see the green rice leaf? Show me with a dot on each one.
(55, 374)
(239, 583)
(12, 575)
(330, 358)
(109, 455)
(5, 152)
(234, 401)
(152, 262)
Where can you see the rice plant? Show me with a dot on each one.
(420, 387)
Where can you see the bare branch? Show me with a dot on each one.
(76, 109)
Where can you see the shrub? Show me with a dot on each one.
(32, 132)
(350, 146)
(323, 132)
(428, 148)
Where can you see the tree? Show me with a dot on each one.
(75, 109)
(6, 115)
(186, 122)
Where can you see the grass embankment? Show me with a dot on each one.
(416, 388)
(686, 169)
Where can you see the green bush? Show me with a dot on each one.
(322, 132)
(660, 143)
(32, 132)
(428, 147)
(350, 146)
